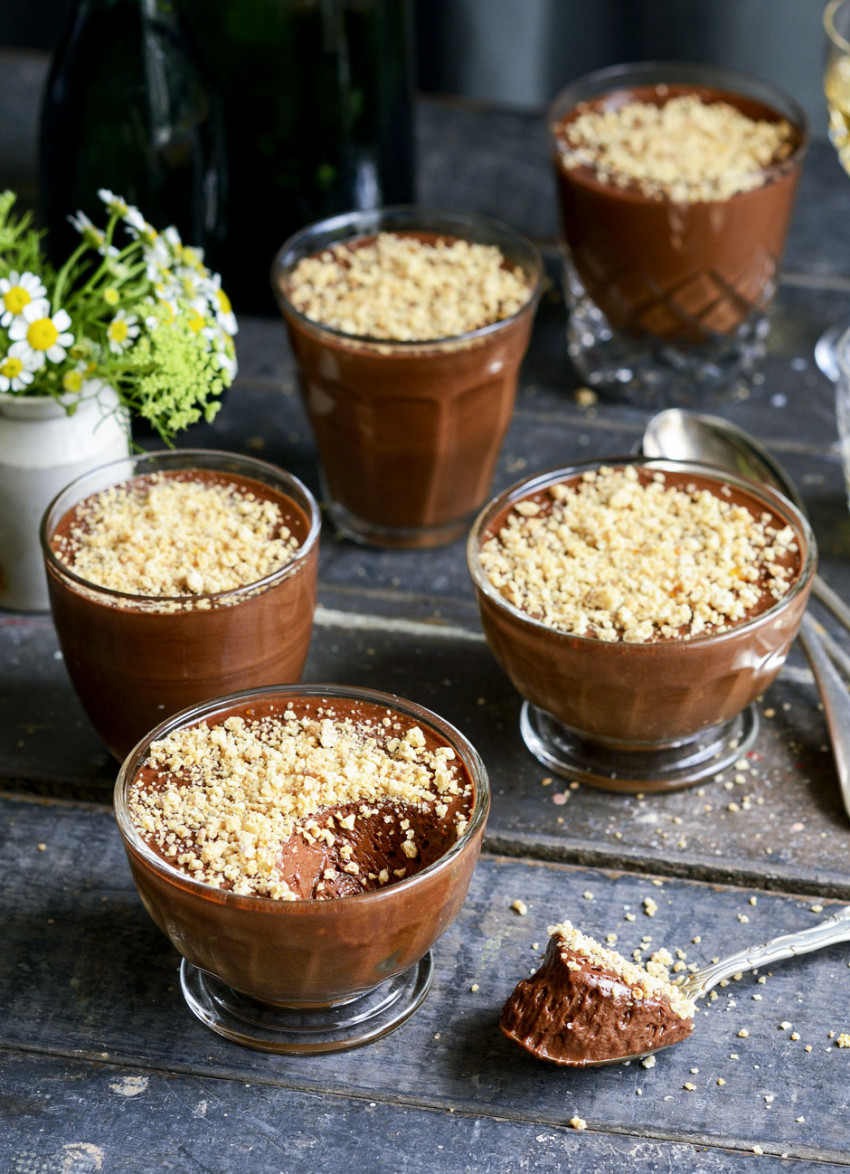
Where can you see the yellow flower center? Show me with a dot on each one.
(111, 296)
(191, 258)
(196, 321)
(16, 298)
(42, 334)
(118, 330)
(11, 368)
(223, 301)
(73, 381)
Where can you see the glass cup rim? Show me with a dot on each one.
(840, 42)
(369, 219)
(612, 77)
(194, 714)
(179, 454)
(533, 484)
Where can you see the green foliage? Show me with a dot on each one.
(131, 307)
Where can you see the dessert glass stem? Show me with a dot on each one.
(834, 929)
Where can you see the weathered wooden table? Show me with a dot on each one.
(103, 1069)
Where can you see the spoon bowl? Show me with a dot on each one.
(692, 436)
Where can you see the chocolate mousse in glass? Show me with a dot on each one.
(408, 326)
(303, 848)
(640, 607)
(175, 577)
(676, 183)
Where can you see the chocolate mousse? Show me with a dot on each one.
(589, 1005)
(178, 585)
(640, 604)
(675, 201)
(304, 844)
(408, 345)
(316, 799)
(636, 555)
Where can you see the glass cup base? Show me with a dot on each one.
(305, 1030)
(652, 373)
(347, 525)
(667, 768)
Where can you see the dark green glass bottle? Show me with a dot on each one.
(125, 108)
(318, 116)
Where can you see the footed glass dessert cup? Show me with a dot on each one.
(408, 432)
(652, 716)
(307, 975)
(669, 288)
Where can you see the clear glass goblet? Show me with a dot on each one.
(836, 86)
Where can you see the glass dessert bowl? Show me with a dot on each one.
(640, 628)
(170, 606)
(409, 414)
(676, 183)
(318, 940)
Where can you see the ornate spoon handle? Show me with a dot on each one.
(836, 701)
(824, 593)
(835, 929)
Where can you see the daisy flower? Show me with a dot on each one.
(226, 363)
(93, 236)
(158, 260)
(44, 336)
(121, 331)
(192, 288)
(220, 303)
(16, 368)
(73, 380)
(116, 205)
(16, 291)
(138, 227)
(196, 321)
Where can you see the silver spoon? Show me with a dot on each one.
(695, 986)
(682, 435)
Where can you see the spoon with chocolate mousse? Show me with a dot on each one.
(587, 1005)
(679, 434)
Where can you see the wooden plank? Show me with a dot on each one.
(789, 829)
(136, 1121)
(85, 976)
(794, 832)
(70, 1116)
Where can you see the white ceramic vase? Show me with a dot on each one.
(42, 448)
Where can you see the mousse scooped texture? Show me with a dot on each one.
(327, 800)
(303, 844)
(588, 1004)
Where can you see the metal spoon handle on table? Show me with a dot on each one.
(824, 594)
(836, 701)
(825, 933)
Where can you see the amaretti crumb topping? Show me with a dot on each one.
(645, 982)
(407, 289)
(167, 536)
(683, 148)
(619, 554)
(233, 804)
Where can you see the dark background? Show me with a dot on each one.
(520, 52)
